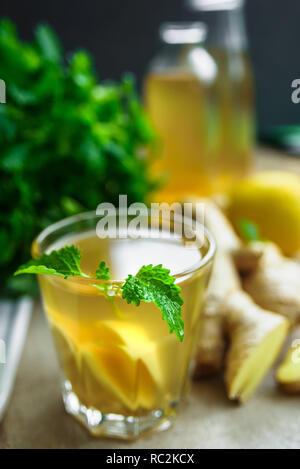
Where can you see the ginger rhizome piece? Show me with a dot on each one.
(211, 341)
(256, 337)
(275, 283)
(288, 372)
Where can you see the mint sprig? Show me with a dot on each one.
(63, 262)
(103, 271)
(156, 285)
(150, 284)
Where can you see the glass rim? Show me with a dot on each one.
(64, 222)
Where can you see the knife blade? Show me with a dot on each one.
(14, 320)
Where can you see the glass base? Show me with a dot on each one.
(116, 425)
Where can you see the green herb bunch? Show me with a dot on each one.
(67, 142)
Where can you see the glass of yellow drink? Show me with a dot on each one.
(123, 373)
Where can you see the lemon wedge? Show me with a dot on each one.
(80, 332)
(131, 371)
(138, 345)
(108, 361)
(68, 355)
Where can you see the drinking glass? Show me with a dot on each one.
(122, 372)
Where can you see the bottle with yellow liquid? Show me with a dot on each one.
(123, 373)
(200, 99)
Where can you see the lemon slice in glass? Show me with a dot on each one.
(130, 371)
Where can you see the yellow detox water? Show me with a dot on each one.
(116, 358)
(206, 130)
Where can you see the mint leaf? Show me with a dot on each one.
(248, 230)
(64, 263)
(155, 284)
(103, 271)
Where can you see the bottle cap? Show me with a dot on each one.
(183, 32)
(215, 5)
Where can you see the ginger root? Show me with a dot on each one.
(255, 334)
(288, 372)
(221, 229)
(256, 337)
(275, 283)
(247, 257)
(211, 341)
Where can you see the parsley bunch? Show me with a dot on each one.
(67, 141)
(150, 284)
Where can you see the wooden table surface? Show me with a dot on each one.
(35, 417)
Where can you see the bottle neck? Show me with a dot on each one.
(174, 56)
(226, 29)
(192, 59)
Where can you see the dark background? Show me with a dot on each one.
(122, 35)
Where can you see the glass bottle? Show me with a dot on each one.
(190, 106)
(227, 42)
